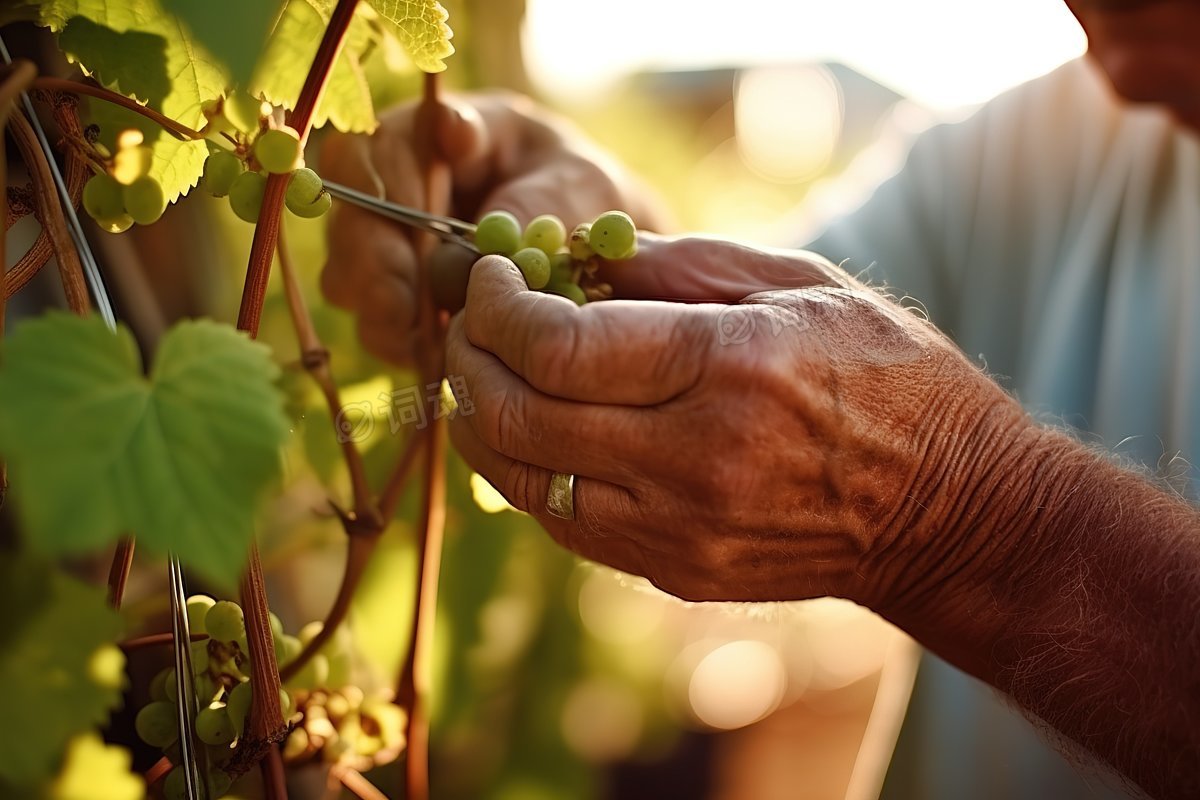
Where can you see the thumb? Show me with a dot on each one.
(697, 268)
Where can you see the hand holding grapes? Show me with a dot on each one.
(504, 154)
(790, 455)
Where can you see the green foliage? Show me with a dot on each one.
(238, 44)
(177, 164)
(422, 29)
(94, 770)
(346, 102)
(61, 672)
(179, 458)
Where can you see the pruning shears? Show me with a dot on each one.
(448, 229)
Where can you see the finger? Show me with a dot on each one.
(613, 443)
(368, 262)
(613, 352)
(546, 190)
(699, 269)
(604, 513)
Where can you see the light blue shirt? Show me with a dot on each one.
(1055, 234)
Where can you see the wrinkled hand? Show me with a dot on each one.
(503, 153)
(801, 443)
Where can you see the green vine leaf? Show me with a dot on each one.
(422, 29)
(235, 44)
(177, 164)
(179, 458)
(94, 770)
(61, 672)
(136, 48)
(346, 101)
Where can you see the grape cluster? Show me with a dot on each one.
(333, 721)
(549, 258)
(122, 191)
(241, 174)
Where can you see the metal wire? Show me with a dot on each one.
(447, 229)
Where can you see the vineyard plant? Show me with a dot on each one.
(244, 475)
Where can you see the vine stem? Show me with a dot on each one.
(356, 783)
(315, 357)
(266, 233)
(17, 77)
(53, 222)
(266, 726)
(118, 573)
(176, 129)
(416, 676)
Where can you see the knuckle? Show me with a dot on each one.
(519, 487)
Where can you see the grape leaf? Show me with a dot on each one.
(279, 77)
(48, 666)
(422, 29)
(179, 458)
(236, 45)
(94, 770)
(136, 48)
(177, 164)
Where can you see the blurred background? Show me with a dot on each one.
(755, 119)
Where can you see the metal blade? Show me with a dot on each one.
(448, 229)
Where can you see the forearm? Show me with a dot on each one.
(1075, 588)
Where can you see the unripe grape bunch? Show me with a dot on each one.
(122, 191)
(550, 259)
(318, 700)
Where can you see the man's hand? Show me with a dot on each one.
(769, 450)
(504, 153)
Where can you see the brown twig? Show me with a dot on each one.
(118, 572)
(414, 687)
(157, 772)
(77, 175)
(17, 77)
(315, 357)
(274, 781)
(266, 232)
(176, 129)
(356, 783)
(51, 215)
(266, 725)
(154, 640)
(393, 490)
(358, 554)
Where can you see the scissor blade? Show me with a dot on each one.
(186, 704)
(446, 228)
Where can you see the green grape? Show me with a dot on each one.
(534, 265)
(145, 201)
(287, 703)
(104, 198)
(547, 233)
(221, 169)
(199, 657)
(498, 232)
(569, 291)
(449, 271)
(287, 648)
(118, 225)
(237, 705)
(170, 686)
(213, 725)
(578, 245)
(158, 685)
(197, 606)
(306, 195)
(388, 717)
(175, 786)
(246, 195)
(219, 781)
(243, 111)
(312, 675)
(562, 268)
(131, 163)
(276, 624)
(156, 724)
(613, 236)
(278, 150)
(206, 688)
(225, 622)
